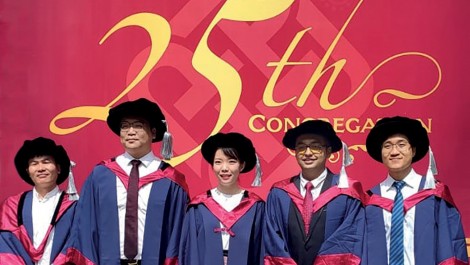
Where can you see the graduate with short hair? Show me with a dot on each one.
(411, 219)
(316, 216)
(132, 206)
(224, 224)
(35, 225)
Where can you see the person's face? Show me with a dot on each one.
(43, 171)
(136, 136)
(397, 153)
(226, 169)
(311, 151)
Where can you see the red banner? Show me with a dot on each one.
(255, 67)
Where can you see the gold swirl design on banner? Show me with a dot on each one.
(336, 69)
(159, 32)
(402, 94)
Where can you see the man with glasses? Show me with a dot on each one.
(132, 206)
(411, 220)
(309, 218)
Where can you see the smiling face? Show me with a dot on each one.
(227, 169)
(397, 155)
(311, 152)
(136, 136)
(43, 171)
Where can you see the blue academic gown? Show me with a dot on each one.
(95, 235)
(438, 231)
(16, 230)
(336, 227)
(201, 240)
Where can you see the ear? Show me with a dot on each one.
(242, 166)
(31, 176)
(328, 151)
(413, 150)
(154, 133)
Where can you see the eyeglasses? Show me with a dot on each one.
(137, 125)
(400, 146)
(314, 148)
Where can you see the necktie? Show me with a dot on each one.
(308, 206)
(396, 234)
(130, 234)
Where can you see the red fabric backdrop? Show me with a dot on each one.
(256, 67)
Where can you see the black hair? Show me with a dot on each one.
(231, 153)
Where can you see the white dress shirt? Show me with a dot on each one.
(411, 187)
(228, 202)
(317, 184)
(150, 163)
(42, 211)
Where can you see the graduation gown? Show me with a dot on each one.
(16, 230)
(95, 234)
(336, 227)
(201, 240)
(438, 231)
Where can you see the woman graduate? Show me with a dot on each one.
(224, 224)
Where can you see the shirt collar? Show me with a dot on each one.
(49, 195)
(146, 159)
(317, 181)
(411, 180)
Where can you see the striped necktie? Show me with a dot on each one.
(396, 235)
